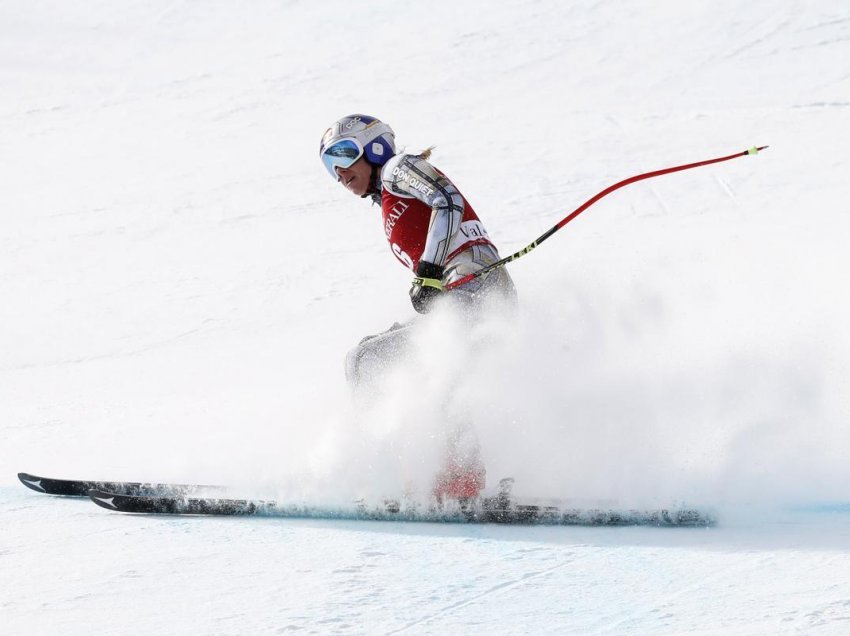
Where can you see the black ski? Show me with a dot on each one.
(80, 488)
(486, 510)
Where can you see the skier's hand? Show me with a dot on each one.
(426, 286)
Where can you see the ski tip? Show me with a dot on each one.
(103, 499)
(32, 482)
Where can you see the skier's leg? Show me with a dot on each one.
(373, 354)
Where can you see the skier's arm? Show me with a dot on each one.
(410, 175)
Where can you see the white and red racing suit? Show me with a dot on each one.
(426, 218)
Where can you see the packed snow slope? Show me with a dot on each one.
(180, 281)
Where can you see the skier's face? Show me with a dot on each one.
(356, 178)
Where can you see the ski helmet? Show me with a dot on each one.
(353, 136)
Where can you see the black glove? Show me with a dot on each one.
(426, 286)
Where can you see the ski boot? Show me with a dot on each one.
(459, 483)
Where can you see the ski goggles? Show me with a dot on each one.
(342, 154)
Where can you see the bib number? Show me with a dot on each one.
(401, 255)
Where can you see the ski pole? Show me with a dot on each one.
(640, 177)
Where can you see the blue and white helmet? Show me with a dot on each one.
(353, 136)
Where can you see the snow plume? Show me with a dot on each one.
(632, 382)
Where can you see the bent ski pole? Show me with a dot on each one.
(640, 177)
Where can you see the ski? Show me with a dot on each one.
(80, 488)
(485, 510)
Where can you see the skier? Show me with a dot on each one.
(433, 231)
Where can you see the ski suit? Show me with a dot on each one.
(426, 218)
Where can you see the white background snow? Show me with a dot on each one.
(180, 281)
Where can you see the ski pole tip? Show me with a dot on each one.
(755, 150)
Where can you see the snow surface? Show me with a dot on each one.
(180, 280)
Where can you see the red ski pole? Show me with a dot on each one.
(640, 177)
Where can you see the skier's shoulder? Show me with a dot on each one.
(399, 167)
(405, 173)
(393, 164)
